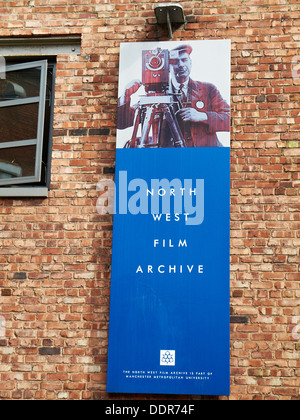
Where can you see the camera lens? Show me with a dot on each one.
(155, 62)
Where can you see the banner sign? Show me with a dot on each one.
(169, 313)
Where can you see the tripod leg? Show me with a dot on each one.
(174, 127)
(156, 129)
(137, 118)
(146, 126)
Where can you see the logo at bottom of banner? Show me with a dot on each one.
(167, 358)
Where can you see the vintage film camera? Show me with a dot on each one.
(158, 107)
(156, 70)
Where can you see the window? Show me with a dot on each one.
(26, 120)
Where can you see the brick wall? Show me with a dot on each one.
(55, 253)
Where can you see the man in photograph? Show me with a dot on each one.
(200, 110)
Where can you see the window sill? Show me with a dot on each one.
(25, 192)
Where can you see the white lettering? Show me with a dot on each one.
(182, 243)
(159, 269)
(171, 269)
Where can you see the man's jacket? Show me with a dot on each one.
(204, 97)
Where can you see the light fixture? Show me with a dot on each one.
(169, 13)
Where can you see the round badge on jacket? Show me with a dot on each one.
(200, 105)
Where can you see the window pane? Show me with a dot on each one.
(18, 122)
(20, 84)
(17, 162)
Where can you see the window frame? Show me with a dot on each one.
(16, 49)
(38, 142)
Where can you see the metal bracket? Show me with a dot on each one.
(168, 13)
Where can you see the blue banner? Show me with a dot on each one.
(169, 307)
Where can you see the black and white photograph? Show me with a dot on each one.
(174, 94)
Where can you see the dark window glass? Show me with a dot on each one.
(17, 162)
(19, 122)
(20, 84)
(26, 119)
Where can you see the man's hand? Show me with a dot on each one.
(130, 89)
(191, 114)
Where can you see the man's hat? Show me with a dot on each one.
(182, 49)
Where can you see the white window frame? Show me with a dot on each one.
(38, 141)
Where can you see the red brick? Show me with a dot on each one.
(55, 253)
